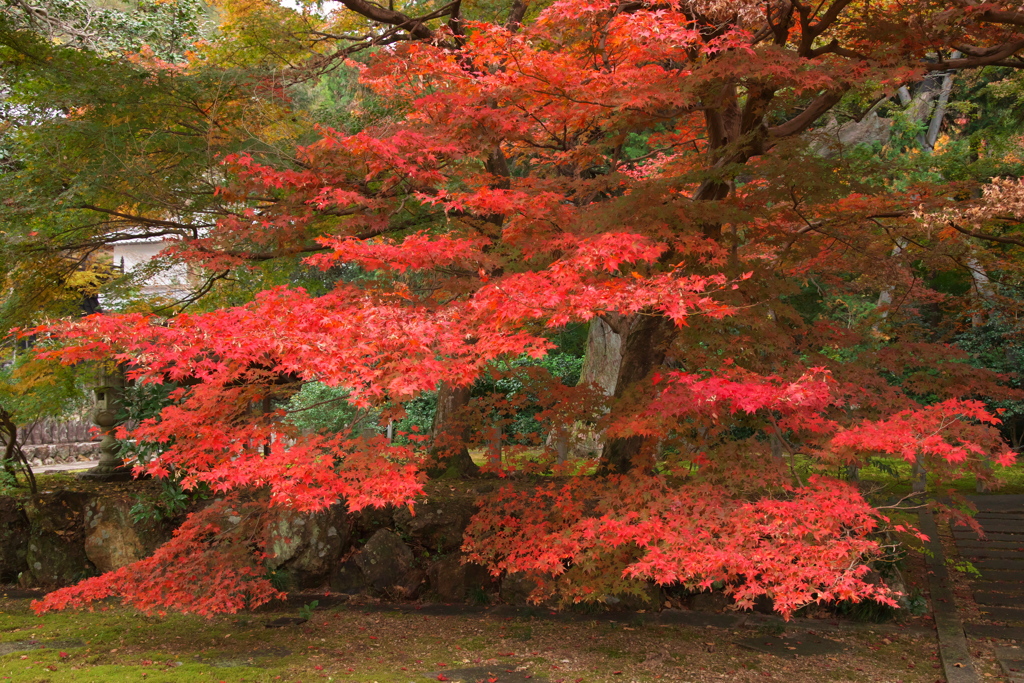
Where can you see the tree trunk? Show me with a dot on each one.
(932, 134)
(449, 434)
(601, 369)
(494, 442)
(983, 290)
(13, 456)
(604, 356)
(644, 348)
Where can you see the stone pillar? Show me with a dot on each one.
(108, 390)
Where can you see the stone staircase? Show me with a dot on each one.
(999, 591)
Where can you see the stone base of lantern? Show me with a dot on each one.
(107, 474)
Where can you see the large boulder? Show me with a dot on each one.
(347, 577)
(453, 580)
(437, 524)
(308, 546)
(516, 588)
(56, 550)
(710, 601)
(386, 562)
(14, 534)
(113, 539)
(370, 520)
(644, 596)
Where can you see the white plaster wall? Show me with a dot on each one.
(172, 281)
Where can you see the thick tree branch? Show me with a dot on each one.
(986, 57)
(808, 116)
(183, 229)
(992, 16)
(836, 49)
(829, 17)
(371, 10)
(515, 15)
(986, 236)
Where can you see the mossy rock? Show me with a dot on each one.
(386, 561)
(308, 546)
(347, 577)
(14, 535)
(56, 547)
(113, 539)
(452, 580)
(437, 524)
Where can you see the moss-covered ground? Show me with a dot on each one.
(896, 479)
(353, 643)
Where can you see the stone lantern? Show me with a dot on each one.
(108, 391)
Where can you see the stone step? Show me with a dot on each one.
(1009, 614)
(1013, 668)
(1002, 575)
(998, 586)
(966, 535)
(1001, 527)
(999, 563)
(994, 631)
(1008, 526)
(998, 502)
(1007, 521)
(965, 546)
(988, 542)
(991, 552)
(1000, 514)
(999, 599)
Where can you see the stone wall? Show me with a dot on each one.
(51, 431)
(61, 453)
(58, 538)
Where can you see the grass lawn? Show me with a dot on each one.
(896, 480)
(352, 643)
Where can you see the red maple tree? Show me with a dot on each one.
(505, 202)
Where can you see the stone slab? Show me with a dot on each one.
(499, 673)
(994, 631)
(1011, 660)
(999, 599)
(68, 467)
(1012, 528)
(108, 477)
(963, 544)
(245, 658)
(1007, 614)
(993, 552)
(1009, 651)
(984, 518)
(998, 502)
(1003, 575)
(1009, 527)
(26, 645)
(791, 647)
(1011, 587)
(688, 618)
(999, 563)
(965, 535)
